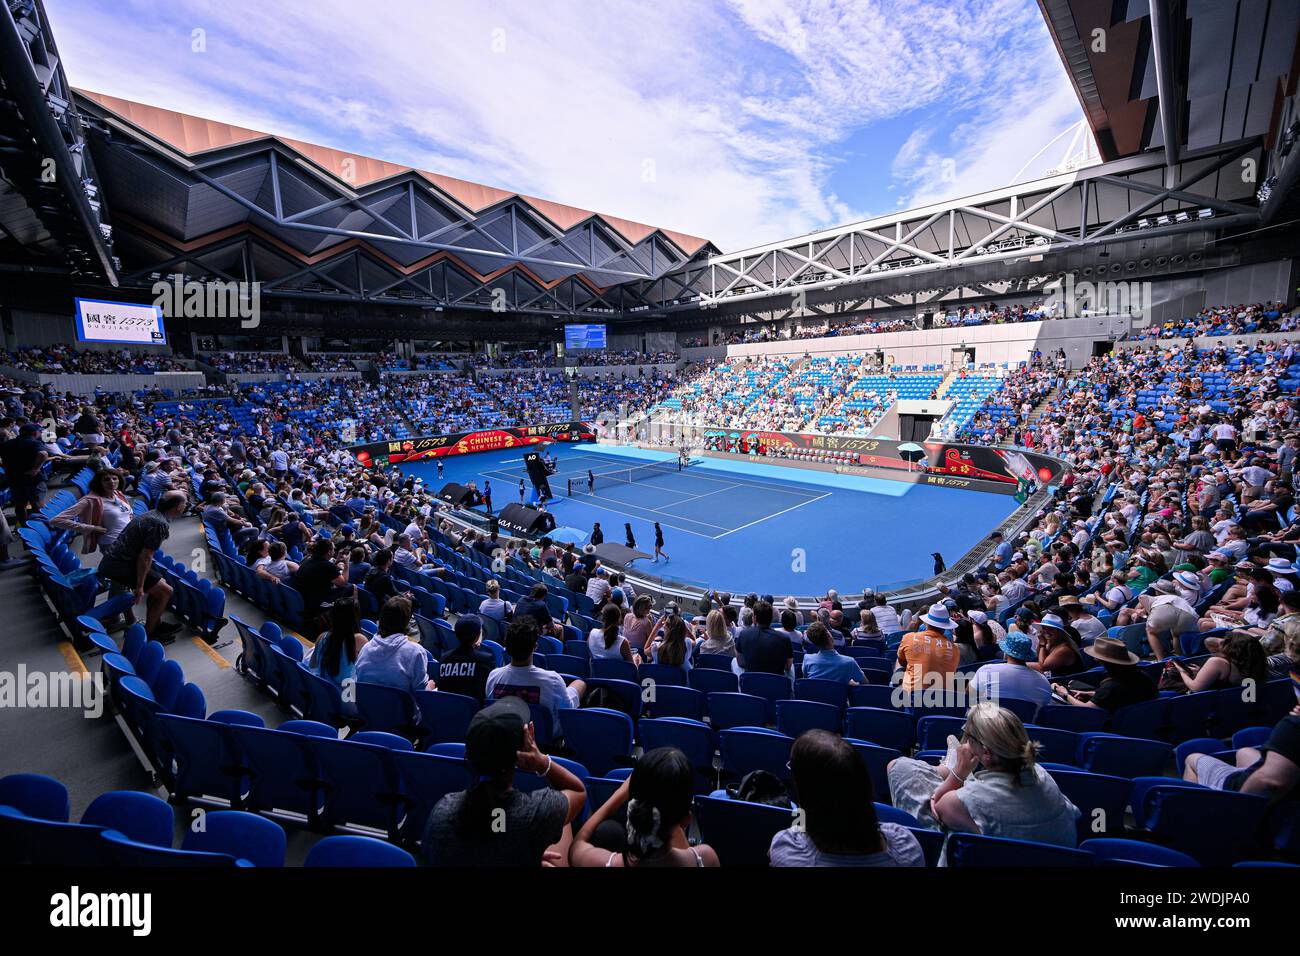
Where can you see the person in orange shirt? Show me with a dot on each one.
(930, 651)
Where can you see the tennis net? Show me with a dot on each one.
(625, 476)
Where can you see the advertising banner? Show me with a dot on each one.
(426, 447)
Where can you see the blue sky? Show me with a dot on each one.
(743, 121)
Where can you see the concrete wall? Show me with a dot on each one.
(86, 384)
(1010, 343)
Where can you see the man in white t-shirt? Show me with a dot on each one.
(1225, 439)
(522, 678)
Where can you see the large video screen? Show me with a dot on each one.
(126, 323)
(584, 337)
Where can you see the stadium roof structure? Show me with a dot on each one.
(217, 201)
(51, 210)
(1177, 75)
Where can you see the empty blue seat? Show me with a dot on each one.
(823, 691)
(888, 728)
(1101, 799)
(1217, 827)
(360, 786)
(1123, 756)
(245, 836)
(668, 700)
(426, 779)
(444, 716)
(205, 762)
(735, 710)
(601, 738)
(711, 681)
(124, 852)
(752, 748)
(1078, 720)
(348, 851)
(662, 674)
(973, 849)
(381, 707)
(770, 687)
(793, 717)
(692, 737)
(1134, 853)
(614, 669)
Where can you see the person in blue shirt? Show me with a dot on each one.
(1002, 553)
(828, 663)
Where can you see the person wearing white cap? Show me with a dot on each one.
(929, 652)
(1283, 572)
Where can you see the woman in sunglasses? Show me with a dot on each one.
(989, 783)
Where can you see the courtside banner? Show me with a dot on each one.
(397, 451)
(943, 463)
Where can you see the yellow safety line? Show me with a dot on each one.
(206, 648)
(73, 659)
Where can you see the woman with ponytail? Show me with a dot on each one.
(492, 823)
(1009, 795)
(658, 795)
(607, 641)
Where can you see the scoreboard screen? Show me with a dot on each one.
(125, 323)
(584, 337)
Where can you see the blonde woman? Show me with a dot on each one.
(717, 636)
(990, 783)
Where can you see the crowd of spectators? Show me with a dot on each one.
(63, 359)
(1269, 317)
(250, 362)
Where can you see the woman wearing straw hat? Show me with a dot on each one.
(990, 783)
(1123, 684)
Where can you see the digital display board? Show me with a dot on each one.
(584, 337)
(125, 323)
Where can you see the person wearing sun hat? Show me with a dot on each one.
(492, 823)
(1123, 684)
(1012, 678)
(929, 651)
(1284, 574)
(1058, 648)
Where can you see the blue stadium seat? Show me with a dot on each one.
(244, 836)
(740, 833)
(601, 738)
(972, 849)
(754, 748)
(354, 851)
(735, 710)
(887, 728)
(793, 717)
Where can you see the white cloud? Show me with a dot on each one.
(740, 107)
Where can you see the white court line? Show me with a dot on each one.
(642, 517)
(628, 504)
(771, 516)
(704, 495)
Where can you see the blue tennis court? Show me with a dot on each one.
(741, 525)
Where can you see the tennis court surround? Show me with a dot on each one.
(743, 525)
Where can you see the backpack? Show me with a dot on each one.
(761, 786)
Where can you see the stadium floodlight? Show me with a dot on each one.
(1205, 214)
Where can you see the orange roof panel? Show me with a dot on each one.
(193, 135)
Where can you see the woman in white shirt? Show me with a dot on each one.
(100, 514)
(607, 641)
